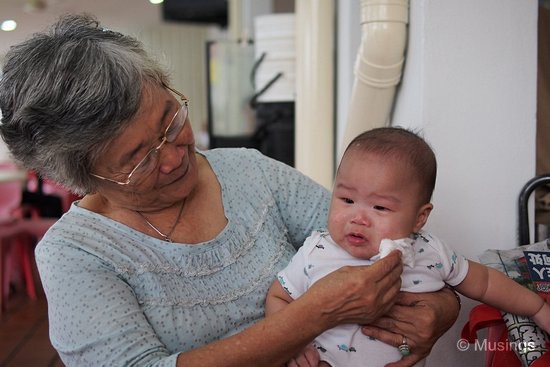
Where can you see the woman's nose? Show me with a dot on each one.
(171, 157)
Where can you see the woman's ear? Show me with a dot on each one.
(422, 216)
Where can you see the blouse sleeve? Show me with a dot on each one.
(302, 202)
(93, 314)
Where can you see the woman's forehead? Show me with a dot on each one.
(142, 130)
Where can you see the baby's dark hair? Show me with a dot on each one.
(404, 145)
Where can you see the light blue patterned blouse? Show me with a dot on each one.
(118, 297)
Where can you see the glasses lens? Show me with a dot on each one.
(145, 167)
(150, 161)
(177, 125)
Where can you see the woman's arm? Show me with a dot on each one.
(95, 317)
(421, 317)
(358, 294)
(97, 320)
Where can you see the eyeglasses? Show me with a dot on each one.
(148, 163)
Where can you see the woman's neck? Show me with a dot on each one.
(200, 219)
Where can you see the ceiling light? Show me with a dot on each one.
(8, 25)
(156, 1)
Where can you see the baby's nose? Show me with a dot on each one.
(361, 218)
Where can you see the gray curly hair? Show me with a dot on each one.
(66, 93)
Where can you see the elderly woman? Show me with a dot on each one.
(168, 257)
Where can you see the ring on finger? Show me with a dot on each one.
(404, 348)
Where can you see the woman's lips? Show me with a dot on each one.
(184, 172)
(177, 175)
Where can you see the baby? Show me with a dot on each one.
(381, 201)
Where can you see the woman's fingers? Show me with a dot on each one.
(309, 357)
(407, 361)
(399, 319)
(433, 313)
(391, 328)
(312, 355)
(391, 266)
(356, 294)
(387, 278)
(380, 283)
(390, 283)
(390, 338)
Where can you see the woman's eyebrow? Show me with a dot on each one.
(127, 157)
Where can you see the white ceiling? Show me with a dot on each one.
(116, 14)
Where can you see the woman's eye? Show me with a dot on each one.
(380, 208)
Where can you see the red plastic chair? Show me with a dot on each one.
(18, 234)
(484, 316)
(66, 196)
(49, 187)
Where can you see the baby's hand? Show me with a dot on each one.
(542, 317)
(308, 357)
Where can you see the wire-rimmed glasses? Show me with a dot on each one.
(150, 161)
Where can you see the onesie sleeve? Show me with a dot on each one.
(454, 266)
(295, 278)
(95, 318)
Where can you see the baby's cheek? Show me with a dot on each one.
(335, 227)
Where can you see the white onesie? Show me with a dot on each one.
(433, 265)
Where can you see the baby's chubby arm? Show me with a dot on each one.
(277, 298)
(495, 288)
(542, 317)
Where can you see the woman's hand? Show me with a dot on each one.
(357, 294)
(421, 317)
(309, 357)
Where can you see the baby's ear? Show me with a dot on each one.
(422, 216)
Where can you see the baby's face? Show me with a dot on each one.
(374, 198)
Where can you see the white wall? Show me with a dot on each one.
(470, 84)
(181, 48)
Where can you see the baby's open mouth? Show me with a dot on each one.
(356, 238)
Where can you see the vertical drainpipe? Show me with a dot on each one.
(378, 65)
(314, 114)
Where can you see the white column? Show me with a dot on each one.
(235, 23)
(314, 132)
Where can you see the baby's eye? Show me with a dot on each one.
(347, 200)
(380, 208)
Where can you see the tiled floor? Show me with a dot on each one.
(24, 338)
